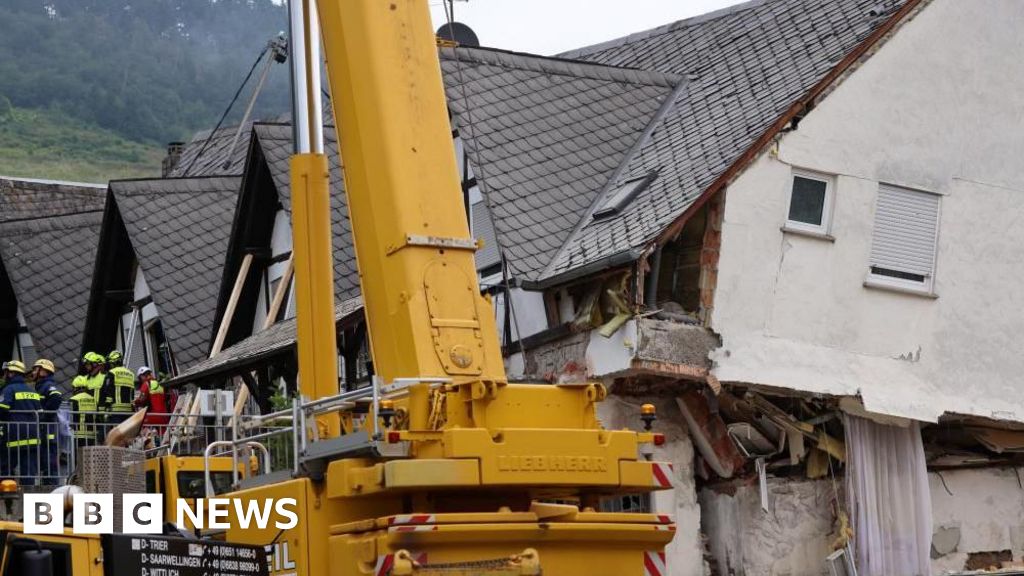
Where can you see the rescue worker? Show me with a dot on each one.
(51, 398)
(83, 417)
(153, 397)
(94, 384)
(19, 408)
(82, 379)
(118, 390)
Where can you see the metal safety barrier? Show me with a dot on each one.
(295, 429)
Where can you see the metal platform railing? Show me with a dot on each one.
(40, 449)
(296, 427)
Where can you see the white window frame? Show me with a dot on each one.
(924, 288)
(825, 228)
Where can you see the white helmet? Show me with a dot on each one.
(142, 370)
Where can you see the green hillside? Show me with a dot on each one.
(50, 145)
(94, 89)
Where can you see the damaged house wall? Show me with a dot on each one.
(978, 515)
(685, 552)
(937, 110)
(794, 536)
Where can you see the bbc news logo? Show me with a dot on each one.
(144, 514)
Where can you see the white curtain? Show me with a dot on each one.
(890, 504)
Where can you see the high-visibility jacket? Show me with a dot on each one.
(95, 386)
(83, 425)
(19, 405)
(118, 390)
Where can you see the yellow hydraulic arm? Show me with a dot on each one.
(425, 315)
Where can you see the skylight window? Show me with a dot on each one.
(618, 198)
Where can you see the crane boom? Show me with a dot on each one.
(425, 315)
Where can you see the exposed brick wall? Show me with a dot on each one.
(562, 361)
(709, 255)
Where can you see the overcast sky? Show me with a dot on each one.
(553, 26)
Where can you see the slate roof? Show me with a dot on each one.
(216, 158)
(278, 339)
(22, 198)
(179, 229)
(545, 136)
(275, 140)
(50, 264)
(744, 67)
(550, 138)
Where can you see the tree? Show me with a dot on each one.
(153, 70)
(6, 110)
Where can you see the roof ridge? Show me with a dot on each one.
(663, 29)
(674, 97)
(66, 183)
(560, 66)
(174, 178)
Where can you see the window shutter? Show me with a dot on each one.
(906, 222)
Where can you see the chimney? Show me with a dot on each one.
(174, 150)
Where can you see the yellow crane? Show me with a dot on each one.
(442, 467)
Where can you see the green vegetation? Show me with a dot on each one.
(91, 89)
(49, 144)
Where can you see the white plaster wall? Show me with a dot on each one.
(280, 243)
(685, 553)
(987, 506)
(612, 355)
(528, 315)
(791, 539)
(938, 108)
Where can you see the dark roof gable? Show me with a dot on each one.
(179, 229)
(544, 137)
(50, 263)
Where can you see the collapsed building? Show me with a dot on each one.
(766, 221)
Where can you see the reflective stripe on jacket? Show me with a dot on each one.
(82, 425)
(123, 392)
(19, 408)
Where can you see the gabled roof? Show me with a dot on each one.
(545, 136)
(49, 262)
(22, 198)
(550, 138)
(213, 156)
(179, 230)
(746, 67)
(275, 142)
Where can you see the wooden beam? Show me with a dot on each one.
(229, 312)
(282, 290)
(275, 307)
